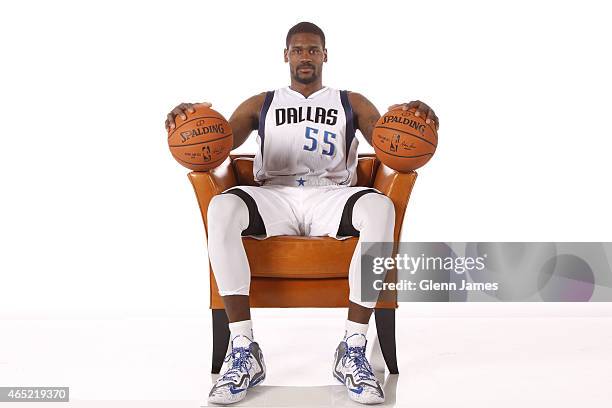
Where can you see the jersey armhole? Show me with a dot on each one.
(263, 112)
(261, 129)
(350, 120)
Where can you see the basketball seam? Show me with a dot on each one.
(207, 141)
(397, 155)
(198, 164)
(408, 133)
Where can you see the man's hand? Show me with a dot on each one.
(421, 110)
(181, 111)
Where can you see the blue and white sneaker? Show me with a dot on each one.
(243, 368)
(352, 369)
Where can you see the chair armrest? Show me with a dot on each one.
(398, 187)
(208, 184)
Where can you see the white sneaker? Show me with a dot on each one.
(244, 368)
(352, 369)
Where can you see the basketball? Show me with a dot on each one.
(403, 141)
(202, 141)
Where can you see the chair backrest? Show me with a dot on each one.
(367, 165)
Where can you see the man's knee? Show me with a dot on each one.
(363, 206)
(226, 211)
(374, 209)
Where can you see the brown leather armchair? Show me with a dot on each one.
(280, 276)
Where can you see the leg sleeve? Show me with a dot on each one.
(228, 216)
(373, 216)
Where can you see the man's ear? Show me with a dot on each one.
(286, 53)
(324, 54)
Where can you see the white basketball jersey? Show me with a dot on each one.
(306, 141)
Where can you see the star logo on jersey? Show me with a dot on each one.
(300, 181)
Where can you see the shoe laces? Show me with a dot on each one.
(241, 362)
(356, 356)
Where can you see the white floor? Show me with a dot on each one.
(506, 358)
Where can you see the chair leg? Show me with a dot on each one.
(221, 336)
(385, 328)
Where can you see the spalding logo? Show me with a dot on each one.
(218, 128)
(404, 121)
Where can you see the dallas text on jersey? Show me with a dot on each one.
(297, 115)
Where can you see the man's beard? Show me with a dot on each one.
(308, 80)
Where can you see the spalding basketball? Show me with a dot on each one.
(403, 141)
(202, 141)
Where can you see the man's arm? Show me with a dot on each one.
(365, 115)
(245, 118)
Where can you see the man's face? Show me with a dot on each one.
(305, 56)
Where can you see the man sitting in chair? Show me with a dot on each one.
(306, 167)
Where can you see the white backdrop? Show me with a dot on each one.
(98, 219)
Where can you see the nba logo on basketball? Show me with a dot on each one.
(206, 153)
(394, 142)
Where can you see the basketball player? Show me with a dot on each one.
(306, 167)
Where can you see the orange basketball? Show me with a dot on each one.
(403, 141)
(202, 141)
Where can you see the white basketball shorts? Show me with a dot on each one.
(305, 210)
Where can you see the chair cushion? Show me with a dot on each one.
(366, 170)
(299, 257)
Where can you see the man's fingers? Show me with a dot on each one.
(170, 121)
(421, 109)
(430, 117)
(413, 104)
(181, 111)
(410, 105)
(185, 108)
(178, 111)
(433, 118)
(190, 107)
